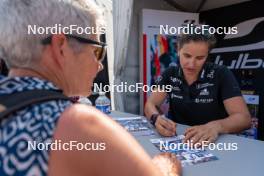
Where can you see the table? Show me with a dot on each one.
(246, 161)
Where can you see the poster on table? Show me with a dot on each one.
(157, 48)
(138, 126)
(186, 154)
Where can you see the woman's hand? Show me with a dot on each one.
(203, 133)
(168, 164)
(165, 126)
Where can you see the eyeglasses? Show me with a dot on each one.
(99, 52)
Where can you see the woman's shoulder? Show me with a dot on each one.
(219, 69)
(220, 72)
(80, 117)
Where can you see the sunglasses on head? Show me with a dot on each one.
(99, 52)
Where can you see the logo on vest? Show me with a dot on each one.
(176, 96)
(204, 92)
(175, 80)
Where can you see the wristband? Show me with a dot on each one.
(153, 119)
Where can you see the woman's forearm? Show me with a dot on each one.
(150, 109)
(234, 123)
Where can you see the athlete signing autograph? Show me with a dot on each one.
(204, 95)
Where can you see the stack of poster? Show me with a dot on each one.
(138, 126)
(187, 155)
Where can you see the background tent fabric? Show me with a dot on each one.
(122, 20)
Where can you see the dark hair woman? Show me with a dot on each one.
(203, 95)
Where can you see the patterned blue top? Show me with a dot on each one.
(34, 123)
